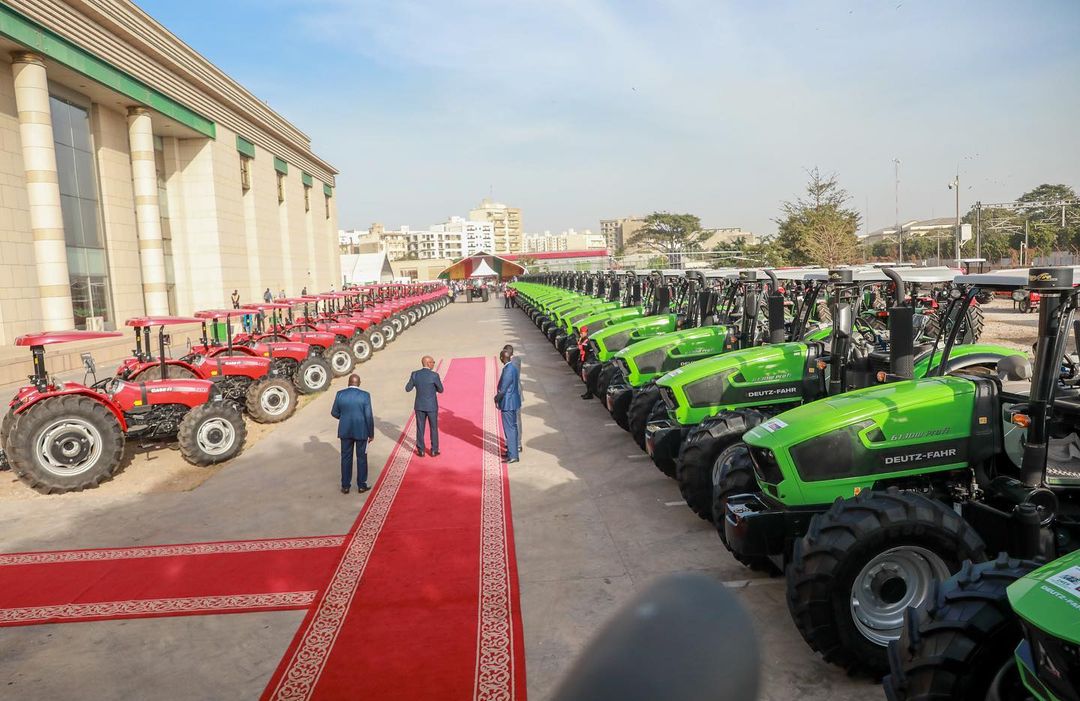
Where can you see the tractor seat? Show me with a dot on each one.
(1063, 461)
(1014, 367)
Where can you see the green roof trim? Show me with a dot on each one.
(327, 190)
(245, 147)
(46, 42)
(281, 166)
(306, 179)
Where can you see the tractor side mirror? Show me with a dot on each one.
(842, 321)
(167, 339)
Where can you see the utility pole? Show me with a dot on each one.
(899, 231)
(955, 185)
(978, 229)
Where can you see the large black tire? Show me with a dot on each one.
(5, 430)
(395, 322)
(954, 645)
(607, 374)
(361, 348)
(313, 375)
(974, 319)
(640, 411)
(65, 444)
(211, 433)
(733, 473)
(664, 462)
(388, 332)
(270, 400)
(703, 445)
(341, 359)
(376, 339)
(153, 372)
(871, 528)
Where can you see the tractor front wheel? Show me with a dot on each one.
(863, 562)
(705, 443)
(733, 473)
(211, 433)
(312, 375)
(640, 411)
(388, 331)
(340, 358)
(378, 341)
(962, 639)
(607, 373)
(361, 348)
(65, 444)
(270, 400)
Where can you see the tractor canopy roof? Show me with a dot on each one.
(799, 273)
(914, 275)
(262, 306)
(1009, 279)
(141, 322)
(220, 313)
(49, 337)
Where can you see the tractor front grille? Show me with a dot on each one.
(669, 398)
(765, 466)
(1057, 662)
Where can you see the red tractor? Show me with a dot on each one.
(310, 372)
(66, 437)
(273, 324)
(366, 336)
(249, 380)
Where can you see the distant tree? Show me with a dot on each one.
(740, 254)
(1067, 236)
(528, 262)
(819, 229)
(670, 235)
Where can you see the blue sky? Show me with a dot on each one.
(577, 110)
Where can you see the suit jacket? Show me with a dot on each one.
(352, 409)
(509, 394)
(516, 360)
(428, 385)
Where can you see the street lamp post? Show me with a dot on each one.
(899, 231)
(955, 185)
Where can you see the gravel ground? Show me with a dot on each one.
(1009, 327)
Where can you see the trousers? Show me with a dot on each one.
(510, 431)
(431, 418)
(348, 447)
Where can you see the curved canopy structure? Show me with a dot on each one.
(482, 265)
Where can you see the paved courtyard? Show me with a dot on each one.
(593, 520)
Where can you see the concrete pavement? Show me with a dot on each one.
(593, 521)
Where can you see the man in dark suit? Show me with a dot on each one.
(428, 386)
(516, 360)
(356, 428)
(508, 400)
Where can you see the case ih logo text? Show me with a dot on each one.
(921, 457)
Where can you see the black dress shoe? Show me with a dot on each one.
(511, 460)
(420, 453)
(363, 488)
(434, 453)
(344, 490)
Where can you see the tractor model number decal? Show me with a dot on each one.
(1068, 580)
(920, 434)
(922, 456)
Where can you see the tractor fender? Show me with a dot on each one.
(32, 397)
(254, 367)
(136, 369)
(965, 356)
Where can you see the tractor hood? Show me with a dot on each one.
(599, 320)
(577, 315)
(749, 376)
(651, 355)
(904, 411)
(1049, 598)
(617, 336)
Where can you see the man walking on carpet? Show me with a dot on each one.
(428, 386)
(356, 428)
(508, 400)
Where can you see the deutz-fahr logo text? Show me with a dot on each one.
(771, 392)
(921, 456)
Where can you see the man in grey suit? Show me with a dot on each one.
(428, 386)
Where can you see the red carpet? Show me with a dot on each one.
(424, 603)
(165, 580)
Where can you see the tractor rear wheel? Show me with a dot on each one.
(211, 433)
(863, 562)
(704, 444)
(378, 341)
(176, 372)
(641, 409)
(733, 473)
(270, 400)
(65, 444)
(340, 358)
(957, 643)
(361, 348)
(312, 375)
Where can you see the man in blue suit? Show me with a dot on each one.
(428, 385)
(508, 400)
(356, 428)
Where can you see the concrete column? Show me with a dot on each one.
(147, 211)
(42, 190)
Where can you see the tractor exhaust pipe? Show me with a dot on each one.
(777, 334)
(901, 331)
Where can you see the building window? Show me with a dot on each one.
(307, 198)
(245, 172)
(280, 188)
(91, 298)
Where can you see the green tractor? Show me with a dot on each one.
(705, 408)
(869, 499)
(666, 310)
(714, 331)
(619, 305)
(1006, 629)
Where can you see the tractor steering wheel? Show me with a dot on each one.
(866, 331)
